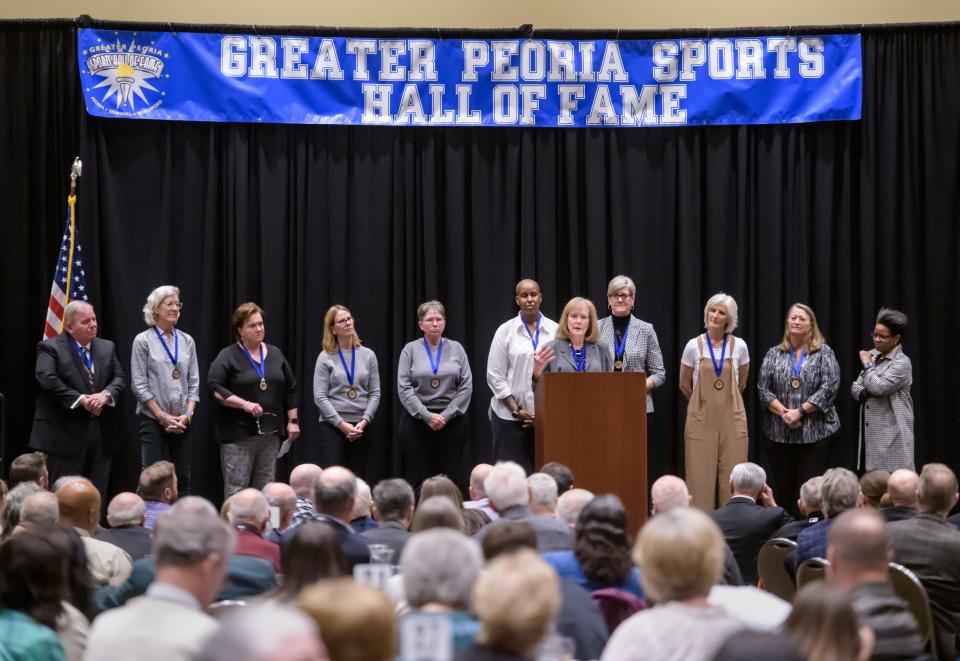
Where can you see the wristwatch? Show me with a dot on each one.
(516, 413)
(294, 421)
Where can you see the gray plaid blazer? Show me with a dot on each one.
(886, 411)
(642, 353)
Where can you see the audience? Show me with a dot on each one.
(873, 489)
(282, 497)
(393, 511)
(334, 495)
(312, 554)
(478, 495)
(749, 517)
(809, 507)
(126, 517)
(356, 621)
(249, 514)
(30, 467)
(361, 519)
(39, 509)
(437, 512)
(13, 503)
(303, 481)
(824, 626)
(902, 492)
(158, 488)
(561, 474)
(265, 632)
(680, 556)
(509, 494)
(79, 503)
(839, 492)
(543, 495)
(191, 551)
(930, 548)
(441, 485)
(571, 503)
(859, 554)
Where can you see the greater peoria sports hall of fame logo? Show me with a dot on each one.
(130, 70)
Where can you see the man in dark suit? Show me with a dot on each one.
(749, 517)
(125, 514)
(930, 548)
(902, 489)
(80, 382)
(393, 510)
(809, 506)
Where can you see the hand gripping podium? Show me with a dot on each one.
(596, 423)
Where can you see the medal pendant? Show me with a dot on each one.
(263, 384)
(435, 382)
(718, 384)
(352, 393)
(618, 365)
(795, 384)
(176, 373)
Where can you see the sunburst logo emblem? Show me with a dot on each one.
(127, 69)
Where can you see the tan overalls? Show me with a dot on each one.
(715, 436)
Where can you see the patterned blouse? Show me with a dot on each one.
(819, 382)
(151, 372)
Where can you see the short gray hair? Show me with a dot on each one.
(440, 565)
(73, 307)
(256, 632)
(154, 300)
(729, 303)
(543, 490)
(182, 537)
(14, 502)
(748, 477)
(571, 503)
(506, 485)
(393, 498)
(126, 516)
(810, 493)
(839, 491)
(363, 500)
(249, 506)
(427, 306)
(40, 507)
(619, 282)
(65, 480)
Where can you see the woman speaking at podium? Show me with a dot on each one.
(577, 347)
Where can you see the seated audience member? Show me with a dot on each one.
(158, 488)
(440, 485)
(749, 517)
(125, 514)
(33, 589)
(478, 496)
(249, 514)
(757, 646)
(517, 599)
(168, 622)
(312, 554)
(859, 555)
(393, 510)
(561, 474)
(809, 507)
(356, 621)
(930, 548)
(39, 509)
(303, 480)
(506, 486)
(334, 494)
(361, 518)
(265, 632)
(12, 505)
(902, 492)
(439, 568)
(601, 552)
(246, 576)
(30, 467)
(284, 498)
(873, 489)
(436, 512)
(680, 556)
(79, 503)
(543, 495)
(823, 625)
(571, 503)
(579, 617)
(839, 492)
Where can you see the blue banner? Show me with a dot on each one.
(470, 82)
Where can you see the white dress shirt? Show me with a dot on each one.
(510, 363)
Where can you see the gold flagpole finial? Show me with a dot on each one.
(75, 171)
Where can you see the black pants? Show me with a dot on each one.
(156, 444)
(336, 450)
(792, 464)
(425, 453)
(93, 463)
(511, 442)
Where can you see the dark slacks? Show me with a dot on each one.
(156, 445)
(93, 463)
(792, 464)
(336, 450)
(511, 442)
(425, 453)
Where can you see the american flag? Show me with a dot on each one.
(69, 280)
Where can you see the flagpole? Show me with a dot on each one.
(75, 172)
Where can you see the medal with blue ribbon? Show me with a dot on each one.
(351, 392)
(619, 346)
(176, 350)
(579, 357)
(717, 366)
(534, 337)
(260, 368)
(795, 381)
(435, 367)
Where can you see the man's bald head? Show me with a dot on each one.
(667, 493)
(477, 476)
(857, 547)
(79, 503)
(303, 479)
(335, 492)
(902, 488)
(571, 503)
(194, 505)
(249, 506)
(526, 282)
(125, 509)
(284, 498)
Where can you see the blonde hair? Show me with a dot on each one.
(356, 621)
(154, 300)
(726, 301)
(329, 320)
(593, 332)
(815, 341)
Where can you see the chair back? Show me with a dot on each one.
(909, 588)
(811, 569)
(616, 605)
(772, 567)
(219, 609)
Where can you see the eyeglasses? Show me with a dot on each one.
(878, 336)
(621, 297)
(176, 306)
(272, 428)
(344, 321)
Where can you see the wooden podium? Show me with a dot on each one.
(596, 423)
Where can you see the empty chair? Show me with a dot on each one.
(771, 565)
(811, 569)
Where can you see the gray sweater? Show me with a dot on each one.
(330, 387)
(414, 376)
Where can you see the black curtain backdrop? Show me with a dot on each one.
(845, 216)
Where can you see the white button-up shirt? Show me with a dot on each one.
(510, 363)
